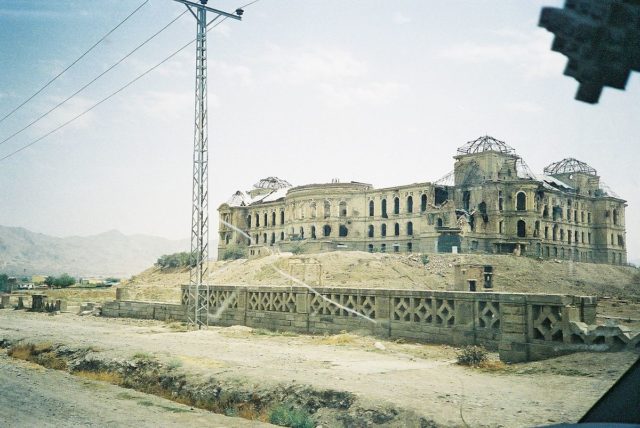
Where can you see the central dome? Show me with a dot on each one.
(486, 144)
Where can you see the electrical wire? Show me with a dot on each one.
(122, 88)
(74, 62)
(92, 81)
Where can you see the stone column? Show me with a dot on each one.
(513, 346)
(6, 301)
(383, 313)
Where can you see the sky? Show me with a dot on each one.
(366, 90)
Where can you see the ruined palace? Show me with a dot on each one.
(490, 203)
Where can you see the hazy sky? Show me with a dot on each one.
(375, 91)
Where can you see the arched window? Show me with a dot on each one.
(615, 217)
(409, 247)
(439, 223)
(313, 232)
(522, 229)
(410, 228)
(396, 229)
(545, 212)
(423, 203)
(521, 201)
(314, 211)
(343, 209)
(370, 231)
(249, 221)
(410, 204)
(327, 209)
(326, 230)
(343, 231)
(264, 238)
(257, 220)
(302, 233)
(396, 205)
(383, 230)
(266, 219)
(281, 217)
(371, 209)
(282, 236)
(273, 238)
(384, 208)
(383, 248)
(370, 248)
(273, 218)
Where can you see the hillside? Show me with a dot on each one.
(23, 252)
(360, 269)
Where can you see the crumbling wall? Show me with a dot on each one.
(520, 326)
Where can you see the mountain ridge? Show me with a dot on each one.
(110, 253)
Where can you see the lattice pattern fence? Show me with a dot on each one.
(223, 298)
(424, 310)
(488, 315)
(547, 323)
(365, 305)
(271, 301)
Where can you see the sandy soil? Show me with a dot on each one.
(32, 396)
(401, 271)
(422, 378)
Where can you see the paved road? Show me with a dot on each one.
(31, 396)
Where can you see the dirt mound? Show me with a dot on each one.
(397, 271)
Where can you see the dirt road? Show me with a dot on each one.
(421, 378)
(32, 396)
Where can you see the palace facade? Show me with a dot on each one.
(490, 203)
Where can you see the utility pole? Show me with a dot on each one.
(198, 291)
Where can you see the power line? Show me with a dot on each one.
(131, 82)
(94, 80)
(74, 62)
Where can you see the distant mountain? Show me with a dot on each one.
(112, 253)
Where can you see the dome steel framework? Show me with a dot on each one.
(486, 144)
(272, 183)
(569, 165)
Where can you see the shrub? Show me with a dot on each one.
(471, 355)
(424, 259)
(234, 253)
(175, 260)
(289, 417)
(64, 281)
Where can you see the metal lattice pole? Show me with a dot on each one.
(198, 291)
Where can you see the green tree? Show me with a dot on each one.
(175, 260)
(50, 280)
(64, 281)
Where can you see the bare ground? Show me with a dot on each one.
(419, 378)
(32, 396)
(399, 271)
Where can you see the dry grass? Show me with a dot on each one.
(265, 332)
(21, 352)
(101, 376)
(41, 354)
(339, 339)
(178, 327)
(493, 366)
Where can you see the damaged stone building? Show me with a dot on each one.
(490, 203)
